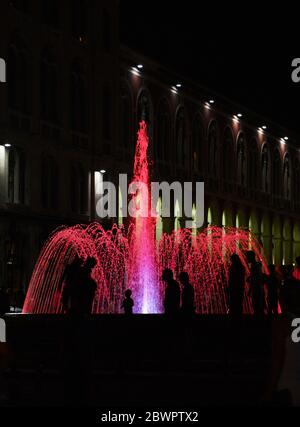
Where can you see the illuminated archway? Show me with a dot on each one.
(277, 241)
(296, 235)
(266, 231)
(287, 242)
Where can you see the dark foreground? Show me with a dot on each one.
(142, 361)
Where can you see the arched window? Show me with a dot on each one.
(213, 150)
(49, 183)
(125, 118)
(144, 108)
(49, 87)
(209, 217)
(180, 138)
(163, 132)
(197, 144)
(276, 174)
(79, 19)
(78, 99)
(265, 169)
(228, 158)
(287, 177)
(241, 161)
(145, 111)
(79, 190)
(19, 69)
(252, 165)
(16, 176)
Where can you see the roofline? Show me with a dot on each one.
(278, 131)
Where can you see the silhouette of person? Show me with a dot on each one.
(128, 302)
(296, 272)
(172, 293)
(236, 286)
(273, 282)
(80, 287)
(89, 285)
(188, 294)
(70, 279)
(78, 297)
(255, 280)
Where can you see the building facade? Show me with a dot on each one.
(56, 120)
(71, 108)
(250, 167)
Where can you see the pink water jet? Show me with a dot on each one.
(133, 259)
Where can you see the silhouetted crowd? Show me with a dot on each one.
(268, 292)
(80, 288)
(280, 287)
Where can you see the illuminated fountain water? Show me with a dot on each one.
(142, 277)
(133, 259)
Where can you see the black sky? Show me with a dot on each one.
(244, 54)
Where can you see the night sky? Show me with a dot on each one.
(241, 54)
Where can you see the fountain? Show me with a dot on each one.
(133, 259)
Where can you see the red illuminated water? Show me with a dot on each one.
(142, 274)
(134, 259)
